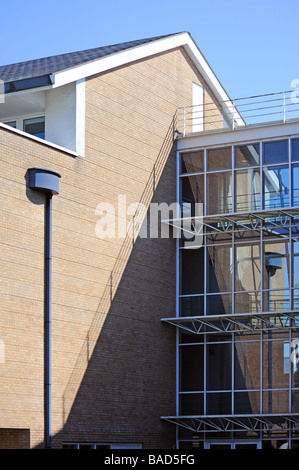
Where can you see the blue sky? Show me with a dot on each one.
(252, 45)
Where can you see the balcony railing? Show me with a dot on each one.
(231, 114)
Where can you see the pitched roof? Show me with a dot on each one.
(48, 65)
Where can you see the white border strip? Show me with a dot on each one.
(39, 140)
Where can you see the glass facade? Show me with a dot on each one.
(242, 178)
(247, 267)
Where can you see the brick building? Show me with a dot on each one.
(114, 124)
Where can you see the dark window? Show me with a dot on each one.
(295, 149)
(275, 152)
(35, 126)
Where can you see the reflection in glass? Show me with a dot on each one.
(296, 303)
(247, 155)
(35, 126)
(276, 272)
(248, 302)
(192, 192)
(275, 401)
(295, 149)
(276, 300)
(246, 402)
(247, 268)
(219, 366)
(295, 182)
(219, 268)
(220, 192)
(192, 162)
(275, 152)
(219, 304)
(275, 368)
(247, 190)
(294, 351)
(276, 187)
(220, 159)
(247, 366)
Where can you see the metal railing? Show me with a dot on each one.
(258, 109)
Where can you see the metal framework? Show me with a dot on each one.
(235, 423)
(236, 323)
(266, 220)
(255, 226)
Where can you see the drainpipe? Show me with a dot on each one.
(47, 182)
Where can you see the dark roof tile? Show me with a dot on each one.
(49, 65)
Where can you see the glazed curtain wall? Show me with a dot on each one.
(241, 178)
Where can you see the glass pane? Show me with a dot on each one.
(276, 301)
(220, 192)
(276, 187)
(294, 363)
(192, 162)
(220, 304)
(192, 368)
(35, 126)
(219, 366)
(248, 190)
(247, 155)
(248, 302)
(192, 271)
(276, 401)
(192, 404)
(192, 192)
(11, 124)
(219, 268)
(295, 401)
(276, 259)
(275, 372)
(192, 306)
(219, 403)
(296, 303)
(247, 268)
(247, 365)
(296, 270)
(275, 152)
(247, 402)
(295, 185)
(295, 149)
(219, 159)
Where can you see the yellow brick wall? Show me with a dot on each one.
(113, 362)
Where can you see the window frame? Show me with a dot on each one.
(19, 120)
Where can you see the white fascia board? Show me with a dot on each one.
(119, 58)
(209, 76)
(252, 133)
(146, 50)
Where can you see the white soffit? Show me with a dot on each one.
(140, 52)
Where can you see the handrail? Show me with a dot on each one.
(256, 109)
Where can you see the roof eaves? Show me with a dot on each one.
(119, 58)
